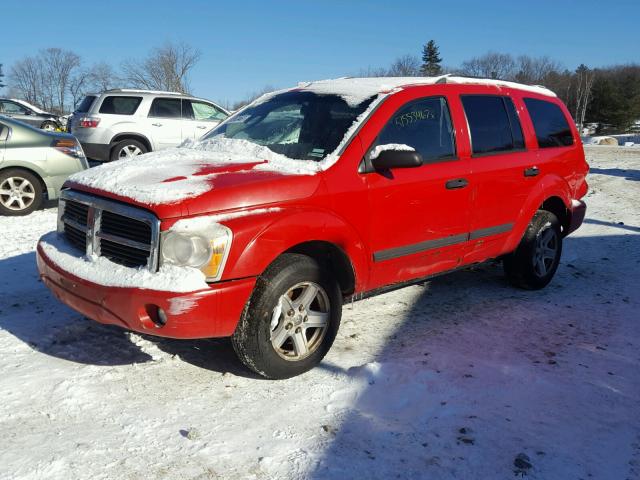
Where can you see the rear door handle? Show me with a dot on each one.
(531, 171)
(201, 126)
(156, 124)
(457, 183)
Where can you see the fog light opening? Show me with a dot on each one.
(157, 315)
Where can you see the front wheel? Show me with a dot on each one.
(291, 319)
(49, 126)
(535, 261)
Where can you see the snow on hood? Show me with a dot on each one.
(175, 174)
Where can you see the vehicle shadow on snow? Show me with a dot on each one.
(30, 312)
(431, 403)
(628, 174)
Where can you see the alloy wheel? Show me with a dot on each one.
(299, 321)
(17, 193)
(129, 151)
(546, 251)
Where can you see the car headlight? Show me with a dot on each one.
(198, 242)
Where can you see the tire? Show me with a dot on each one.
(20, 192)
(133, 147)
(267, 320)
(535, 261)
(49, 126)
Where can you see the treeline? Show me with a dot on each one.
(56, 79)
(607, 96)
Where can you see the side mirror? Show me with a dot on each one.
(28, 112)
(388, 159)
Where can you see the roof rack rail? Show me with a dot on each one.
(141, 90)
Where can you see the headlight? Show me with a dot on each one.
(198, 242)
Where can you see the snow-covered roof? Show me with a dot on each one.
(356, 90)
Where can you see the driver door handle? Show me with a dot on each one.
(201, 126)
(456, 183)
(156, 124)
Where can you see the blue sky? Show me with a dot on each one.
(249, 44)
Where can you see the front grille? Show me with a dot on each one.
(124, 227)
(124, 234)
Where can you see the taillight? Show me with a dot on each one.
(68, 146)
(88, 122)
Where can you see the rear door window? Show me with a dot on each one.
(120, 105)
(493, 124)
(166, 108)
(550, 124)
(425, 125)
(86, 103)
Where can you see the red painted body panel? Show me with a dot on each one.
(359, 213)
(214, 312)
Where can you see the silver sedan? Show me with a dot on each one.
(33, 165)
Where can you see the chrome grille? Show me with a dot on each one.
(124, 234)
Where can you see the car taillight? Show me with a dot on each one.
(69, 146)
(88, 122)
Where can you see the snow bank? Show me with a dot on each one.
(102, 271)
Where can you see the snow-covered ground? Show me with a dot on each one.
(465, 377)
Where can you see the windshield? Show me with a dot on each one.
(299, 125)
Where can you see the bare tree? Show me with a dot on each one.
(59, 66)
(405, 66)
(25, 78)
(490, 65)
(535, 70)
(166, 68)
(584, 78)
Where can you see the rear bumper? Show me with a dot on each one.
(577, 213)
(213, 312)
(96, 151)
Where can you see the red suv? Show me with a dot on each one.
(313, 196)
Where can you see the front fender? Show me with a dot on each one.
(259, 240)
(551, 185)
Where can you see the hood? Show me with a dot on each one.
(202, 177)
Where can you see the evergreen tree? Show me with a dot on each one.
(1, 75)
(431, 59)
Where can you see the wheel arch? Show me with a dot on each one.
(328, 239)
(551, 193)
(32, 171)
(130, 136)
(332, 258)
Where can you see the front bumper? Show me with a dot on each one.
(577, 213)
(202, 314)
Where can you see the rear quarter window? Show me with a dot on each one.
(550, 124)
(120, 105)
(85, 104)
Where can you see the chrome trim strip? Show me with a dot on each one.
(96, 206)
(396, 252)
(487, 232)
(123, 241)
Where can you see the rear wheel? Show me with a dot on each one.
(20, 192)
(535, 261)
(291, 319)
(127, 149)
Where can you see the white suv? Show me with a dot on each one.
(123, 123)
